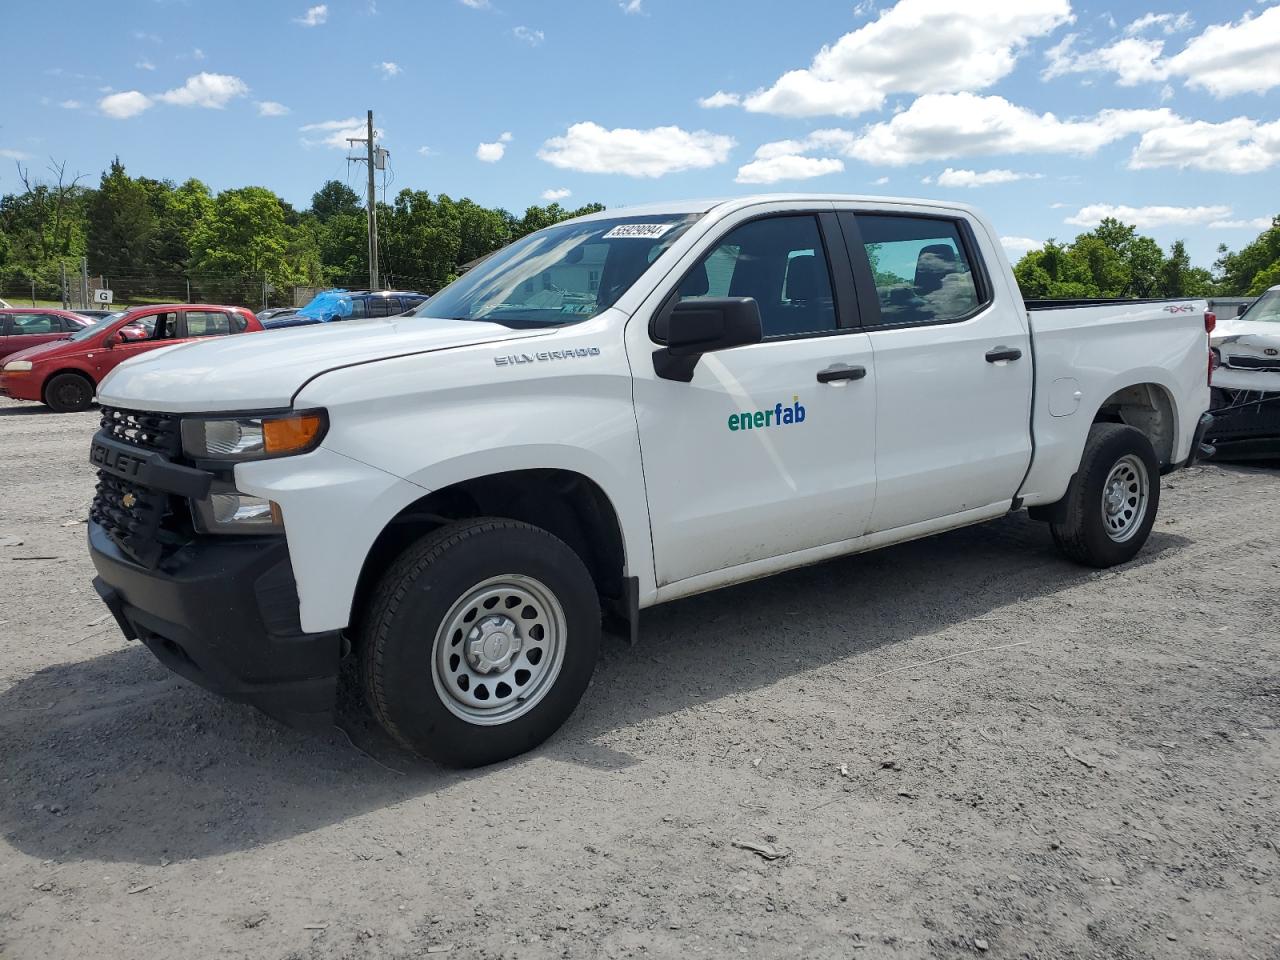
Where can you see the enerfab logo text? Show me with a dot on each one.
(778, 416)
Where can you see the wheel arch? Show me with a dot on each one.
(1149, 407)
(565, 503)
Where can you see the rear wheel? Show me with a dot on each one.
(1111, 505)
(479, 641)
(68, 393)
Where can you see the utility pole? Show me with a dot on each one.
(84, 283)
(371, 158)
(62, 266)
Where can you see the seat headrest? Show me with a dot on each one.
(802, 278)
(933, 263)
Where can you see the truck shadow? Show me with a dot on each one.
(114, 759)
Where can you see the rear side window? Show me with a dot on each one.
(383, 306)
(921, 267)
(207, 323)
(30, 323)
(781, 263)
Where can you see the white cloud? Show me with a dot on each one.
(475, 4)
(1240, 145)
(880, 181)
(1020, 245)
(389, 68)
(1226, 59)
(9, 154)
(269, 108)
(493, 152)
(631, 6)
(1169, 23)
(788, 167)
(145, 64)
(916, 46)
(1232, 58)
(1257, 223)
(143, 35)
(1133, 60)
(529, 36)
(197, 54)
(71, 104)
(720, 99)
(122, 106)
(426, 152)
(1147, 217)
(211, 90)
(590, 148)
(943, 126)
(553, 196)
(314, 16)
(335, 133)
(985, 178)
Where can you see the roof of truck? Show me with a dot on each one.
(728, 204)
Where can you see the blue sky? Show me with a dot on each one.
(1045, 113)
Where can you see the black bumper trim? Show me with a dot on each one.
(225, 616)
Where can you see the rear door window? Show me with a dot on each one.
(26, 324)
(922, 270)
(207, 323)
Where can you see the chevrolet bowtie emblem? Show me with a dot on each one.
(128, 500)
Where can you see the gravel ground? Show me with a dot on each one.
(960, 746)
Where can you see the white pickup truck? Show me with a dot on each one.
(608, 414)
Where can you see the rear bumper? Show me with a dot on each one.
(223, 613)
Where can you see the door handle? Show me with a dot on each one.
(841, 371)
(996, 354)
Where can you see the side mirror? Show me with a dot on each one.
(693, 327)
(1242, 309)
(111, 341)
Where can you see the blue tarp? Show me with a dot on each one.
(328, 305)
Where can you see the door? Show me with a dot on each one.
(953, 369)
(770, 448)
(30, 330)
(140, 335)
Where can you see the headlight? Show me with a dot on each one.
(253, 438)
(227, 510)
(17, 366)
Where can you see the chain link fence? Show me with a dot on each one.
(143, 289)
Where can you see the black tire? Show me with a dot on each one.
(1083, 533)
(68, 393)
(405, 617)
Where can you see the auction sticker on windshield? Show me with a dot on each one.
(642, 231)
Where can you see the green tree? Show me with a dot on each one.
(1179, 279)
(1254, 268)
(335, 199)
(121, 223)
(243, 233)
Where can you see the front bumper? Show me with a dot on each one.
(1248, 429)
(22, 386)
(223, 613)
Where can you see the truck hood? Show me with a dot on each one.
(260, 371)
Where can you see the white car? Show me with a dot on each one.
(1246, 382)
(610, 413)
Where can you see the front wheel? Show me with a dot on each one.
(1111, 505)
(479, 641)
(68, 393)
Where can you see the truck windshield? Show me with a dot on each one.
(1265, 308)
(563, 274)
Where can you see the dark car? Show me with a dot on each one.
(276, 313)
(96, 314)
(331, 305)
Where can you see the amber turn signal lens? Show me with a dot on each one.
(291, 434)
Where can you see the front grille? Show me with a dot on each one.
(144, 523)
(132, 515)
(1239, 362)
(151, 431)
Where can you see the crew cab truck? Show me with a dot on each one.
(610, 413)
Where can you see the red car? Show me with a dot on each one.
(65, 374)
(21, 328)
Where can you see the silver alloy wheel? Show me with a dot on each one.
(499, 649)
(1125, 495)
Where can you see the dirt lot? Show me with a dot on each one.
(1094, 771)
